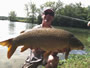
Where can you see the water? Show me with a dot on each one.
(9, 30)
(12, 29)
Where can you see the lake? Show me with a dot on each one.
(11, 29)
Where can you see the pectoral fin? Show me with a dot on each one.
(24, 48)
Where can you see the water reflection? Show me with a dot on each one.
(11, 27)
(30, 25)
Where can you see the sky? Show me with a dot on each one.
(19, 5)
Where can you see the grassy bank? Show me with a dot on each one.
(76, 61)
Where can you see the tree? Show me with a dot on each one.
(12, 16)
(27, 10)
(31, 11)
(54, 5)
(88, 16)
(74, 10)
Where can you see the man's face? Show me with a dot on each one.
(48, 16)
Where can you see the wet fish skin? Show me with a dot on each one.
(48, 39)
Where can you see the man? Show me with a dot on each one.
(36, 57)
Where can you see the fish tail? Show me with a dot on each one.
(6, 42)
(11, 48)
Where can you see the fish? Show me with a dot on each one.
(47, 39)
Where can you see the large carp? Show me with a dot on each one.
(47, 39)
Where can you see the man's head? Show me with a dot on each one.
(48, 15)
(49, 11)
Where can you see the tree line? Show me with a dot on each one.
(72, 15)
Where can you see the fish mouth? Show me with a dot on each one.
(81, 48)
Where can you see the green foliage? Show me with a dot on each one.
(76, 61)
(54, 5)
(88, 16)
(3, 18)
(75, 10)
(39, 20)
(67, 21)
(31, 12)
(12, 16)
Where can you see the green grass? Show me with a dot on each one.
(76, 61)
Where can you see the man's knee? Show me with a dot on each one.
(52, 61)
